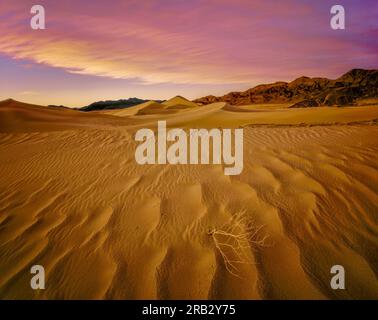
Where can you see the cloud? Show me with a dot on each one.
(208, 42)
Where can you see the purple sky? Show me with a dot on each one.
(96, 50)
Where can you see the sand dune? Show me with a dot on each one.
(175, 105)
(134, 110)
(179, 102)
(22, 117)
(73, 199)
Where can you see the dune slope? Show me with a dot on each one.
(75, 201)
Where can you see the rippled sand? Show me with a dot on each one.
(73, 199)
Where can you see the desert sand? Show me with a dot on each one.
(73, 199)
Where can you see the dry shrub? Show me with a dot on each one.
(235, 239)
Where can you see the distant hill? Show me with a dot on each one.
(59, 106)
(114, 104)
(307, 92)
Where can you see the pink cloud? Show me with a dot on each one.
(180, 41)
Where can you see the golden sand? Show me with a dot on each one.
(73, 199)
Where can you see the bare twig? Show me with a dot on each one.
(234, 239)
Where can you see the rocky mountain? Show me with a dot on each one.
(307, 92)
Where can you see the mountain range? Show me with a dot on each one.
(356, 87)
(307, 92)
(114, 104)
